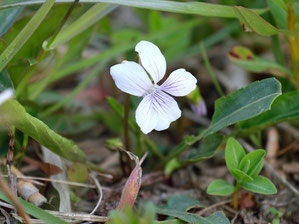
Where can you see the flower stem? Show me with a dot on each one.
(293, 40)
(127, 161)
(235, 198)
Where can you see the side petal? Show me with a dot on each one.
(131, 78)
(179, 83)
(146, 116)
(166, 108)
(151, 59)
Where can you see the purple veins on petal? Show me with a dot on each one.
(179, 83)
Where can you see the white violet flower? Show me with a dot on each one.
(157, 109)
(5, 95)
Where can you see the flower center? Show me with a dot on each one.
(152, 89)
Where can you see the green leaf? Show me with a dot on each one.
(89, 18)
(234, 153)
(77, 172)
(5, 81)
(197, 8)
(252, 22)
(218, 218)
(8, 16)
(244, 58)
(185, 216)
(244, 103)
(285, 107)
(261, 185)
(241, 176)
(207, 149)
(24, 35)
(14, 113)
(35, 211)
(279, 11)
(255, 159)
(183, 203)
(221, 188)
(245, 166)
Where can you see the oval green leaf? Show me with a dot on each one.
(285, 107)
(221, 188)
(261, 185)
(234, 153)
(256, 161)
(252, 22)
(14, 114)
(241, 176)
(244, 103)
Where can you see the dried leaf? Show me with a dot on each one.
(247, 200)
(48, 168)
(63, 189)
(131, 189)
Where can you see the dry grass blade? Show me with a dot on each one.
(99, 188)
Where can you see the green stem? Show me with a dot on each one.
(210, 70)
(235, 198)
(293, 40)
(125, 160)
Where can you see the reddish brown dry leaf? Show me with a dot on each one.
(48, 168)
(247, 200)
(132, 186)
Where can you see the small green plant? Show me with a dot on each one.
(245, 168)
(277, 215)
(144, 215)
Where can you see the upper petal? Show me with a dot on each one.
(151, 59)
(5, 95)
(179, 83)
(146, 116)
(131, 78)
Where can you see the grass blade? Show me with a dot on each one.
(24, 35)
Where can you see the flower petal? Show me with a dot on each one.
(146, 116)
(167, 110)
(5, 95)
(156, 111)
(179, 83)
(151, 59)
(131, 78)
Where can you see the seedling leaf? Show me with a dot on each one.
(220, 187)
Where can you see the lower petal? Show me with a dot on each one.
(146, 116)
(167, 110)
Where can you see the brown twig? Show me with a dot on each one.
(5, 188)
(286, 149)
